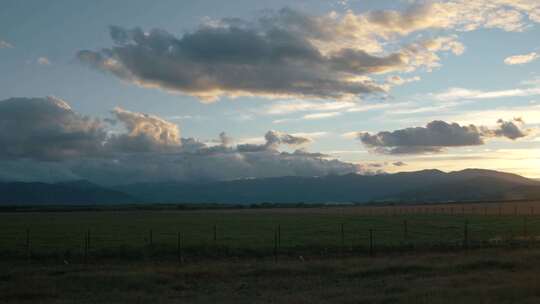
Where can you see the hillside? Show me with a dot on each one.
(405, 187)
(420, 186)
(73, 193)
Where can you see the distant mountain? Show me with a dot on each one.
(420, 186)
(68, 193)
(404, 187)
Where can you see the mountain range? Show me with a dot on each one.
(404, 187)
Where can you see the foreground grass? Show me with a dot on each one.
(477, 276)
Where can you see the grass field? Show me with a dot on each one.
(228, 255)
(479, 276)
(258, 232)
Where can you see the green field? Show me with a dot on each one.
(228, 256)
(315, 231)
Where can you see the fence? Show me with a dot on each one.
(369, 233)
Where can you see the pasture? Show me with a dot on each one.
(194, 234)
(473, 253)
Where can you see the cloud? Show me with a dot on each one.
(225, 140)
(397, 80)
(521, 59)
(320, 115)
(437, 135)
(273, 139)
(311, 135)
(43, 61)
(280, 54)
(461, 93)
(318, 110)
(145, 133)
(5, 45)
(399, 164)
(290, 54)
(43, 139)
(47, 129)
(511, 129)
(233, 61)
(206, 164)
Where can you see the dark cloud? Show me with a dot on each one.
(399, 164)
(47, 129)
(437, 135)
(225, 140)
(43, 139)
(513, 129)
(205, 165)
(431, 138)
(281, 54)
(273, 140)
(211, 62)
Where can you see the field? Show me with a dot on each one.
(479, 276)
(469, 253)
(259, 232)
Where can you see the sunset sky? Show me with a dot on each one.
(141, 90)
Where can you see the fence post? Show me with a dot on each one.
(515, 210)
(179, 249)
(28, 252)
(466, 235)
(342, 231)
(85, 247)
(88, 237)
(525, 232)
(151, 237)
(215, 235)
(371, 251)
(532, 210)
(485, 211)
(405, 230)
(275, 245)
(441, 237)
(500, 211)
(279, 236)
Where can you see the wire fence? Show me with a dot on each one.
(369, 232)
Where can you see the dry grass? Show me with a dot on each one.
(481, 276)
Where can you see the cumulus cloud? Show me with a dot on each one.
(273, 139)
(288, 53)
(212, 164)
(232, 61)
(47, 129)
(437, 135)
(145, 133)
(521, 59)
(43, 139)
(513, 129)
(281, 54)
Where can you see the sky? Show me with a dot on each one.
(136, 91)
